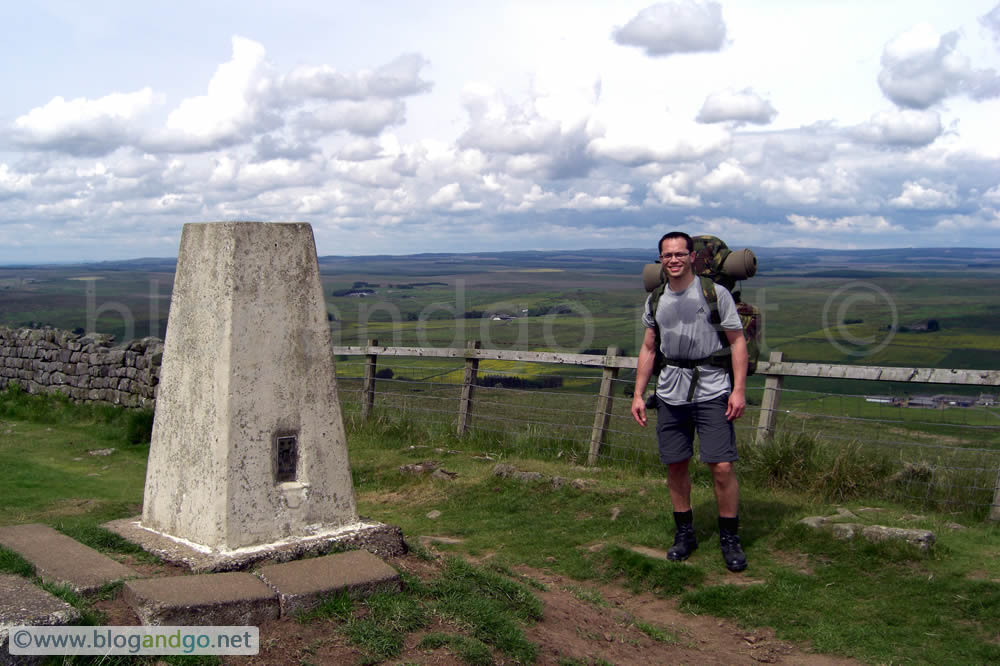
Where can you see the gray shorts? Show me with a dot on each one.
(676, 425)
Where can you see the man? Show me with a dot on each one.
(687, 334)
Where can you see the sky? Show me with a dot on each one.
(397, 127)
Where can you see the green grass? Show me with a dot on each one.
(470, 650)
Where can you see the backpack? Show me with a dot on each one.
(713, 263)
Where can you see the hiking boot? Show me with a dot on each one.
(685, 543)
(732, 553)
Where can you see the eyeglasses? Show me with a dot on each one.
(679, 255)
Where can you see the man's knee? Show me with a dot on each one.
(722, 471)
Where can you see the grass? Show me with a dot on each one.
(875, 603)
(488, 605)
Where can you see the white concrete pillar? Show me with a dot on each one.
(248, 444)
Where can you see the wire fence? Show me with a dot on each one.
(945, 457)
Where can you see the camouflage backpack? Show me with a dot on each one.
(713, 263)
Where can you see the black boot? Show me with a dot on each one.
(685, 543)
(732, 552)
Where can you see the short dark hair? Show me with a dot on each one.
(675, 234)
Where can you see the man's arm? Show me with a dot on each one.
(644, 368)
(738, 398)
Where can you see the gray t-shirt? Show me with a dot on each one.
(686, 331)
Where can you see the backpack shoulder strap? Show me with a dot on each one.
(654, 301)
(712, 298)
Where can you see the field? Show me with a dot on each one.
(863, 307)
(483, 587)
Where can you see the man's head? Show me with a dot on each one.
(675, 254)
(677, 234)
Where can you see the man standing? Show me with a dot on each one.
(694, 395)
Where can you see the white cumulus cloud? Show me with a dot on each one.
(234, 107)
(681, 26)
(743, 106)
(729, 175)
(906, 127)
(673, 190)
(863, 224)
(398, 78)
(921, 68)
(924, 196)
(85, 127)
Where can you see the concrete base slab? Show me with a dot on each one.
(22, 603)
(302, 585)
(378, 538)
(235, 598)
(61, 560)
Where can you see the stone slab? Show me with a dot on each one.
(23, 603)
(378, 538)
(302, 585)
(234, 598)
(61, 560)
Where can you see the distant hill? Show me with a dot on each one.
(790, 261)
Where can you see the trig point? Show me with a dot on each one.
(248, 456)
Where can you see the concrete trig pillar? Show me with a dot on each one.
(248, 445)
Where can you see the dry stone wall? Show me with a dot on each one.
(84, 368)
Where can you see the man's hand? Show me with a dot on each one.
(737, 403)
(639, 408)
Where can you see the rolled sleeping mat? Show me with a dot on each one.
(652, 276)
(739, 265)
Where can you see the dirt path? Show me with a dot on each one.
(602, 630)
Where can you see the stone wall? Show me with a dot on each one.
(85, 368)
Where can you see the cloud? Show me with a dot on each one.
(925, 197)
(861, 224)
(744, 106)
(920, 69)
(12, 182)
(367, 118)
(551, 136)
(906, 128)
(584, 201)
(729, 175)
(778, 191)
(235, 107)
(450, 198)
(681, 26)
(246, 101)
(992, 195)
(84, 127)
(989, 219)
(670, 190)
(991, 21)
(398, 78)
(497, 125)
(639, 136)
(271, 147)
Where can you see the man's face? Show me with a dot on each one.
(675, 257)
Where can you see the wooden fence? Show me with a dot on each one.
(775, 369)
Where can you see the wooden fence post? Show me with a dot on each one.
(469, 382)
(769, 403)
(368, 388)
(605, 403)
